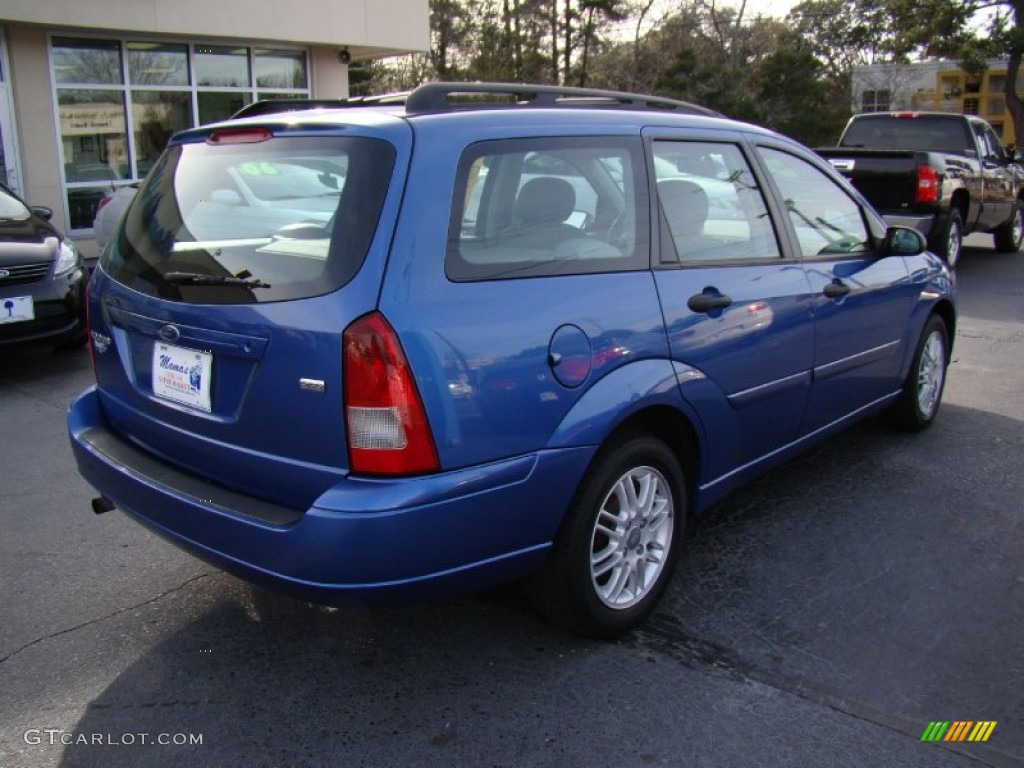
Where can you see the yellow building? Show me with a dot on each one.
(937, 85)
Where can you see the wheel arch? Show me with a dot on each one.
(643, 397)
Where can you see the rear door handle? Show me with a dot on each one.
(835, 289)
(708, 302)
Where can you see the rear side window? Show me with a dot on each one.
(272, 220)
(545, 206)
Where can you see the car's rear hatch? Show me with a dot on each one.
(217, 313)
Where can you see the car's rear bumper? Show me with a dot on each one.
(363, 538)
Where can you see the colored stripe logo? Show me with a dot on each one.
(958, 730)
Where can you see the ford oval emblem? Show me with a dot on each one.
(170, 333)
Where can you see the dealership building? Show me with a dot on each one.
(91, 90)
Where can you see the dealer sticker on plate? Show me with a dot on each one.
(182, 375)
(17, 309)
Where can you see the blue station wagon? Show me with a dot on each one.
(413, 346)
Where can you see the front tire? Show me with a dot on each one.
(619, 543)
(922, 391)
(1009, 236)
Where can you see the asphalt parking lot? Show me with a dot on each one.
(825, 615)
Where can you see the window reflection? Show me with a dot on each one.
(220, 105)
(157, 64)
(280, 69)
(221, 65)
(156, 115)
(86, 61)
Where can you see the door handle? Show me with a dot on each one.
(835, 289)
(708, 302)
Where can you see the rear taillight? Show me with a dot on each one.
(927, 185)
(388, 433)
(103, 201)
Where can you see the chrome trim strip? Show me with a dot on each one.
(761, 391)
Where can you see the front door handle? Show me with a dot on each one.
(835, 289)
(708, 302)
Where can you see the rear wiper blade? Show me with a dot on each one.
(196, 278)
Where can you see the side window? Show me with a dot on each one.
(524, 208)
(710, 205)
(826, 219)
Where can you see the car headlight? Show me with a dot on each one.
(67, 257)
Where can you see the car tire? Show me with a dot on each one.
(919, 401)
(1009, 236)
(619, 542)
(950, 242)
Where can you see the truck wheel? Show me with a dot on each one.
(1009, 236)
(619, 543)
(951, 241)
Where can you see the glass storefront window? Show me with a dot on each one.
(157, 64)
(94, 132)
(220, 105)
(280, 69)
(223, 66)
(156, 115)
(119, 101)
(87, 62)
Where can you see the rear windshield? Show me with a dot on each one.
(272, 220)
(927, 133)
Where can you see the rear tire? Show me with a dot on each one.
(619, 543)
(950, 241)
(1009, 236)
(922, 391)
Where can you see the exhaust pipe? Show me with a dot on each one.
(102, 504)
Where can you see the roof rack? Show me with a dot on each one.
(435, 98)
(447, 97)
(272, 106)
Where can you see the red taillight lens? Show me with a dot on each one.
(388, 433)
(103, 202)
(927, 185)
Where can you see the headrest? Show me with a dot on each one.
(545, 200)
(685, 204)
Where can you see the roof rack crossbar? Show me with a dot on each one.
(273, 106)
(448, 96)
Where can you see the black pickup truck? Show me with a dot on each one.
(945, 175)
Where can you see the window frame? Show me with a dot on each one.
(127, 88)
(875, 227)
(458, 269)
(664, 249)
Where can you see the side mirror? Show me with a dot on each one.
(42, 212)
(904, 241)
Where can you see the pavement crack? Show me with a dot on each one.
(110, 615)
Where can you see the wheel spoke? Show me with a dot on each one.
(604, 561)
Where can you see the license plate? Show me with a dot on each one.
(17, 309)
(182, 375)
